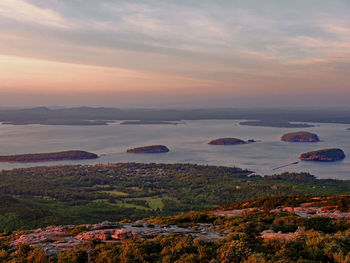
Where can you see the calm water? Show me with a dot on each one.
(187, 142)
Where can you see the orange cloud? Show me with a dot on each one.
(40, 76)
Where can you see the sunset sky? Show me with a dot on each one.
(184, 53)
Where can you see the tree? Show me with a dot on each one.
(233, 252)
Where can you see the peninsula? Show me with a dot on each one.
(48, 157)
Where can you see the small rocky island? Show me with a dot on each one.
(323, 155)
(48, 157)
(228, 141)
(149, 149)
(301, 136)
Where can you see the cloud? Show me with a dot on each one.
(22, 11)
(232, 46)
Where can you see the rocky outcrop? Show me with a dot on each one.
(300, 136)
(54, 239)
(267, 234)
(323, 155)
(106, 234)
(227, 141)
(235, 212)
(149, 149)
(302, 211)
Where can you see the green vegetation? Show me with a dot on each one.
(155, 203)
(48, 157)
(341, 202)
(115, 193)
(76, 194)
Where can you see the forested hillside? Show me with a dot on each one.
(74, 194)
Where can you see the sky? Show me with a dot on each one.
(184, 53)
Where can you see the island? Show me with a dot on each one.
(323, 155)
(149, 149)
(227, 141)
(48, 157)
(59, 122)
(276, 124)
(149, 123)
(301, 136)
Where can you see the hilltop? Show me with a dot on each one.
(270, 229)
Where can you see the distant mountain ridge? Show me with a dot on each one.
(273, 117)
